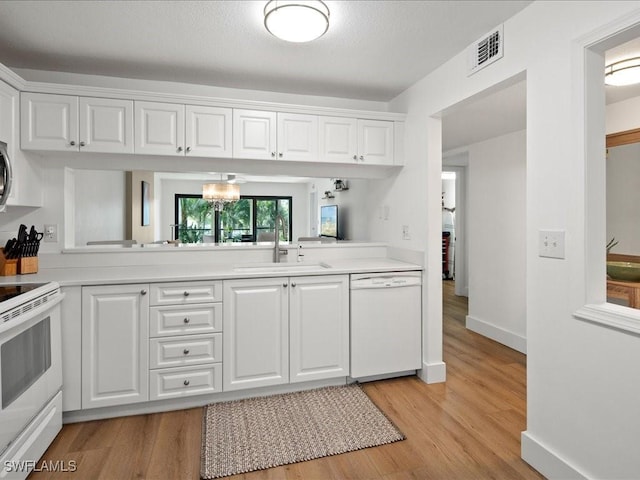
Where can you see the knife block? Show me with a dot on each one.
(27, 265)
(8, 266)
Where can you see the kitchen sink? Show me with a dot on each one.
(280, 267)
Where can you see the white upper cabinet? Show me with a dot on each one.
(174, 129)
(49, 122)
(254, 134)
(106, 125)
(375, 142)
(208, 131)
(68, 123)
(297, 137)
(159, 128)
(338, 139)
(277, 136)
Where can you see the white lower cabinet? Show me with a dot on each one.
(278, 330)
(256, 333)
(318, 328)
(185, 349)
(115, 343)
(185, 381)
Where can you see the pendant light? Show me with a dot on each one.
(624, 72)
(219, 193)
(296, 20)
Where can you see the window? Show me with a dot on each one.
(241, 221)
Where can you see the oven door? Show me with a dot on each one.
(30, 367)
(6, 176)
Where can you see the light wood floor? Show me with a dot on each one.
(466, 428)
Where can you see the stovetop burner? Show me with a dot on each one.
(10, 291)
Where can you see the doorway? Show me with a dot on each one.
(484, 142)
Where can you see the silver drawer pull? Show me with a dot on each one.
(186, 351)
(186, 320)
(186, 383)
(186, 294)
(143, 292)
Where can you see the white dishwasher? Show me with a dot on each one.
(386, 323)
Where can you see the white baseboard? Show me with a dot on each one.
(545, 461)
(433, 372)
(500, 335)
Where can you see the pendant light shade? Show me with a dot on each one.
(220, 193)
(624, 72)
(296, 20)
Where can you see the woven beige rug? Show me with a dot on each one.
(257, 433)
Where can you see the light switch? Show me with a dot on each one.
(551, 243)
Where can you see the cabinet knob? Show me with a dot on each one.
(186, 351)
(280, 154)
(72, 143)
(186, 383)
(143, 292)
(82, 144)
(186, 294)
(293, 284)
(179, 149)
(188, 149)
(355, 157)
(186, 320)
(361, 158)
(273, 154)
(284, 284)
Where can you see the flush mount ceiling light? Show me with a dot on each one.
(296, 20)
(624, 72)
(220, 193)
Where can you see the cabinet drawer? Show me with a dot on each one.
(179, 320)
(185, 350)
(181, 293)
(185, 381)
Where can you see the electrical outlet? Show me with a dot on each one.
(50, 233)
(405, 232)
(551, 243)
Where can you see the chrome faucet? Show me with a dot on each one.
(276, 249)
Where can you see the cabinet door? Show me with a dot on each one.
(115, 345)
(375, 142)
(255, 333)
(106, 125)
(338, 139)
(159, 128)
(49, 122)
(297, 137)
(254, 134)
(208, 131)
(25, 188)
(319, 327)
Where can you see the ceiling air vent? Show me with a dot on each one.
(486, 50)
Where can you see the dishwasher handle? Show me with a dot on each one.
(391, 281)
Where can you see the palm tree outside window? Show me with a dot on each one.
(241, 221)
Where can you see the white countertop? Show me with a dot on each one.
(191, 272)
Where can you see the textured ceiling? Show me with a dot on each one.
(373, 49)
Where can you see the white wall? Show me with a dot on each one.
(353, 207)
(576, 426)
(100, 207)
(496, 236)
(52, 211)
(623, 198)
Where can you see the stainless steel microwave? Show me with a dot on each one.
(6, 176)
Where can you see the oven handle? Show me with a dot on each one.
(11, 324)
